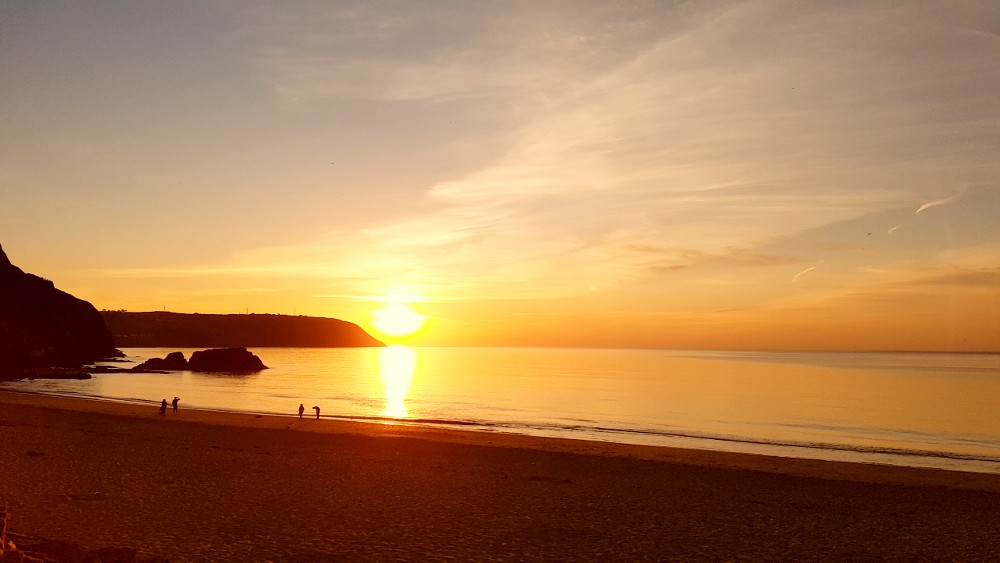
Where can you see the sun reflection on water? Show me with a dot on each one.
(396, 364)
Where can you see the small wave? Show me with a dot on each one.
(88, 396)
(586, 431)
(444, 422)
(583, 430)
(878, 450)
(279, 396)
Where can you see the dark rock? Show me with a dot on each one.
(110, 369)
(22, 373)
(225, 360)
(41, 326)
(173, 362)
(54, 373)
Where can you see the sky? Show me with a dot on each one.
(720, 175)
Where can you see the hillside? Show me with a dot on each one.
(41, 326)
(193, 330)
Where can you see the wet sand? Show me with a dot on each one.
(197, 485)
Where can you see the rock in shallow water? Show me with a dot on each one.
(214, 360)
(225, 359)
(173, 362)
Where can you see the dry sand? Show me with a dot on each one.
(197, 486)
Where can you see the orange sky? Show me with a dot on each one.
(756, 174)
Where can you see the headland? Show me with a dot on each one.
(192, 330)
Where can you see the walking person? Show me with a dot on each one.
(302, 409)
(174, 403)
(317, 412)
(163, 407)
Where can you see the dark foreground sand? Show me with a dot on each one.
(200, 486)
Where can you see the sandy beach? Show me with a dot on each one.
(196, 486)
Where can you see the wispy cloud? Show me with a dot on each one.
(707, 130)
(438, 52)
(934, 203)
(796, 277)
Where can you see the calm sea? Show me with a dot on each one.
(930, 410)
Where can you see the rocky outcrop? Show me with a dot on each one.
(174, 361)
(41, 326)
(225, 360)
(161, 329)
(51, 373)
(231, 360)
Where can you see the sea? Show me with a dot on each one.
(912, 409)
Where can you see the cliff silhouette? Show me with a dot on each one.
(193, 330)
(41, 326)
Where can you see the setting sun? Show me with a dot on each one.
(557, 281)
(397, 319)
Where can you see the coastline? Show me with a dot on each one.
(836, 407)
(791, 466)
(206, 484)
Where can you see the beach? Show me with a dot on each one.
(200, 485)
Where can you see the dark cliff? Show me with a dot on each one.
(186, 330)
(41, 326)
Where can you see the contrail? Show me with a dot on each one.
(896, 227)
(807, 270)
(936, 203)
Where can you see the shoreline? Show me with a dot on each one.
(208, 485)
(790, 466)
(807, 423)
(790, 458)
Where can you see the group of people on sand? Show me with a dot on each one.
(302, 409)
(163, 405)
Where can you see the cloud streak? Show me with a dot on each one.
(796, 277)
(935, 203)
(626, 128)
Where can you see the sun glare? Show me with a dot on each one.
(397, 319)
(396, 365)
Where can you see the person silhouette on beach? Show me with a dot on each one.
(317, 412)
(302, 409)
(163, 407)
(174, 403)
